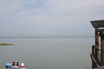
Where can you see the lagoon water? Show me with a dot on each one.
(48, 53)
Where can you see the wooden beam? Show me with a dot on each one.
(96, 39)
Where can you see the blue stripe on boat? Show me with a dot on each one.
(14, 67)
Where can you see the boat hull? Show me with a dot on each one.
(9, 66)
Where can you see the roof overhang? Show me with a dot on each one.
(97, 23)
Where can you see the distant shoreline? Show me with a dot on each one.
(5, 44)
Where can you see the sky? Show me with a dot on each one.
(49, 18)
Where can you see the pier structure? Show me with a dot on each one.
(97, 54)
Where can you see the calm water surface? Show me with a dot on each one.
(48, 53)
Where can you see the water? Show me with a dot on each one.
(48, 53)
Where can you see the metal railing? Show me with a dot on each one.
(96, 57)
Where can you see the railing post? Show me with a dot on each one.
(102, 49)
(93, 53)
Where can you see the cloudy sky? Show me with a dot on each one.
(49, 18)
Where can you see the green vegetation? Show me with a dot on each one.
(6, 44)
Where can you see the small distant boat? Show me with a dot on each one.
(9, 66)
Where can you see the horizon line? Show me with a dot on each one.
(46, 37)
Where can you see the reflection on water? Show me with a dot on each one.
(48, 53)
